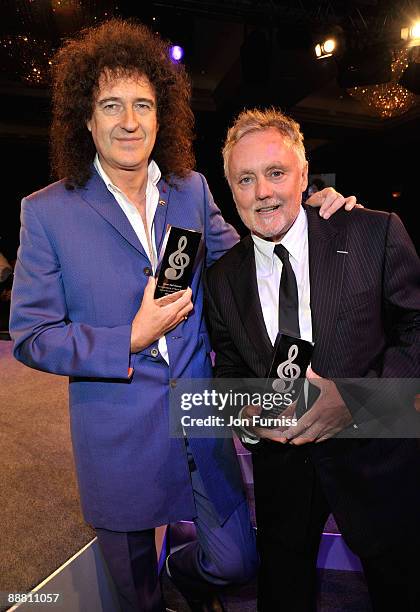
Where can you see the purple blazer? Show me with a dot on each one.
(79, 281)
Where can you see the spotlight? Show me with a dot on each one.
(177, 53)
(410, 78)
(325, 49)
(411, 35)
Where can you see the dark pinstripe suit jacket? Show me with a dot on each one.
(365, 304)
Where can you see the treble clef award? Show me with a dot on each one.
(178, 260)
(291, 357)
(287, 371)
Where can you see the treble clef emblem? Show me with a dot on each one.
(178, 261)
(288, 371)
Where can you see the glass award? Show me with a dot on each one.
(287, 373)
(178, 260)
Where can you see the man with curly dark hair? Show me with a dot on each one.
(118, 48)
(84, 307)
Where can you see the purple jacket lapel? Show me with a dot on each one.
(96, 194)
(161, 213)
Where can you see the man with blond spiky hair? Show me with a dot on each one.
(349, 286)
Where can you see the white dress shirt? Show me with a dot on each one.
(269, 267)
(134, 217)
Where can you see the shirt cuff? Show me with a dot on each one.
(247, 436)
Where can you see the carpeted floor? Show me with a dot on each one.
(40, 520)
(41, 524)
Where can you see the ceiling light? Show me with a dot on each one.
(388, 99)
(325, 49)
(411, 34)
(177, 53)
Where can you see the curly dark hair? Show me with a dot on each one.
(122, 48)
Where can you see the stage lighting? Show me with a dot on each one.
(410, 78)
(411, 35)
(177, 53)
(325, 49)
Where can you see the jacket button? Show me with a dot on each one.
(154, 352)
(147, 271)
(172, 384)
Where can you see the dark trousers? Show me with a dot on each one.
(393, 579)
(132, 563)
(291, 511)
(222, 555)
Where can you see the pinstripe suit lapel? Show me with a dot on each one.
(327, 257)
(243, 280)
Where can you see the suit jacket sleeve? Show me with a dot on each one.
(390, 391)
(44, 337)
(402, 304)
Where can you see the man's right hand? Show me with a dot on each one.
(156, 317)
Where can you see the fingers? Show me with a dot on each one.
(333, 201)
(311, 374)
(308, 429)
(316, 380)
(150, 287)
(185, 311)
(170, 298)
(329, 201)
(275, 435)
(350, 202)
(180, 316)
(309, 435)
(251, 410)
(178, 310)
(331, 204)
(323, 438)
(177, 303)
(290, 410)
(297, 431)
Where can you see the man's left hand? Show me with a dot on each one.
(329, 201)
(324, 419)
